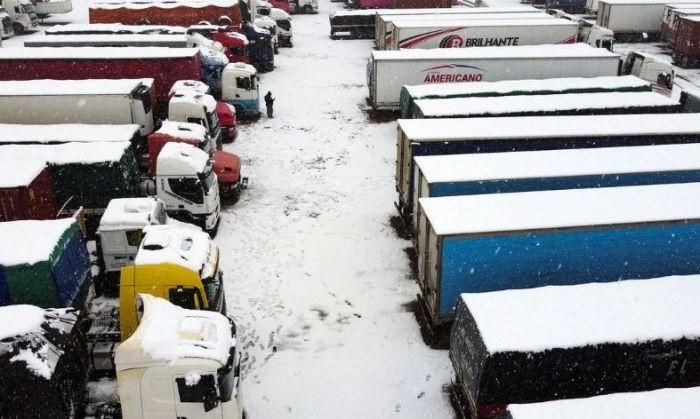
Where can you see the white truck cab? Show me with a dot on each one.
(284, 26)
(23, 15)
(656, 71)
(304, 6)
(6, 27)
(197, 108)
(186, 182)
(179, 363)
(269, 25)
(263, 8)
(588, 32)
(239, 87)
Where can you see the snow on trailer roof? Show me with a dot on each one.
(578, 50)
(558, 163)
(67, 153)
(578, 315)
(465, 106)
(664, 2)
(112, 27)
(168, 4)
(168, 333)
(184, 130)
(554, 209)
(106, 38)
(20, 173)
(71, 87)
(186, 247)
(546, 21)
(91, 53)
(429, 130)
(469, 16)
(30, 241)
(128, 212)
(457, 10)
(66, 133)
(506, 86)
(663, 403)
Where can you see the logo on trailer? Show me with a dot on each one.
(449, 73)
(452, 41)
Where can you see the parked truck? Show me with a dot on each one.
(226, 165)
(387, 21)
(650, 68)
(686, 49)
(410, 94)
(165, 13)
(44, 263)
(96, 101)
(481, 33)
(669, 22)
(523, 171)
(626, 405)
(165, 65)
(26, 191)
(633, 20)
(284, 26)
(23, 15)
(225, 112)
(607, 103)
(417, 137)
(6, 29)
(45, 8)
(552, 343)
(388, 71)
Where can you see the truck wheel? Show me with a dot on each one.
(308, 9)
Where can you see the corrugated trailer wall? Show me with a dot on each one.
(33, 202)
(71, 268)
(180, 15)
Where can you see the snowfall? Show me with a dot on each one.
(316, 277)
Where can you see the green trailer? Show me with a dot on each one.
(409, 94)
(43, 263)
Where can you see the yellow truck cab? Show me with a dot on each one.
(177, 264)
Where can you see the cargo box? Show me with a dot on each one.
(26, 191)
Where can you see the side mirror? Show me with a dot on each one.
(211, 399)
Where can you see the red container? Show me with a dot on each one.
(170, 13)
(686, 49)
(166, 66)
(33, 201)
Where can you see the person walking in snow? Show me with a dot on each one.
(269, 100)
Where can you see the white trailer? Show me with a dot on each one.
(53, 7)
(110, 40)
(388, 41)
(383, 23)
(633, 20)
(113, 102)
(467, 33)
(388, 71)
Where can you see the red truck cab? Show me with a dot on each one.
(235, 44)
(227, 166)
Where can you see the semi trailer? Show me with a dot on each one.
(633, 20)
(551, 343)
(109, 40)
(481, 33)
(686, 49)
(389, 71)
(165, 12)
(418, 137)
(673, 12)
(524, 171)
(410, 94)
(26, 191)
(607, 103)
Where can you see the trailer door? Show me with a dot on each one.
(431, 268)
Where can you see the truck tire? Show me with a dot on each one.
(308, 9)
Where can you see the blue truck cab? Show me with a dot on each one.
(241, 90)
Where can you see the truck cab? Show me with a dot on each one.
(657, 71)
(186, 182)
(260, 47)
(234, 44)
(6, 28)
(268, 24)
(588, 32)
(225, 112)
(179, 363)
(24, 18)
(227, 166)
(197, 108)
(284, 26)
(240, 88)
(304, 6)
(177, 264)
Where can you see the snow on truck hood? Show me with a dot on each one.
(176, 159)
(184, 130)
(184, 247)
(124, 213)
(577, 315)
(168, 333)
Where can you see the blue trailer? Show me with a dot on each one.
(482, 243)
(522, 171)
(424, 137)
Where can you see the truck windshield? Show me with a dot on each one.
(284, 25)
(213, 122)
(229, 375)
